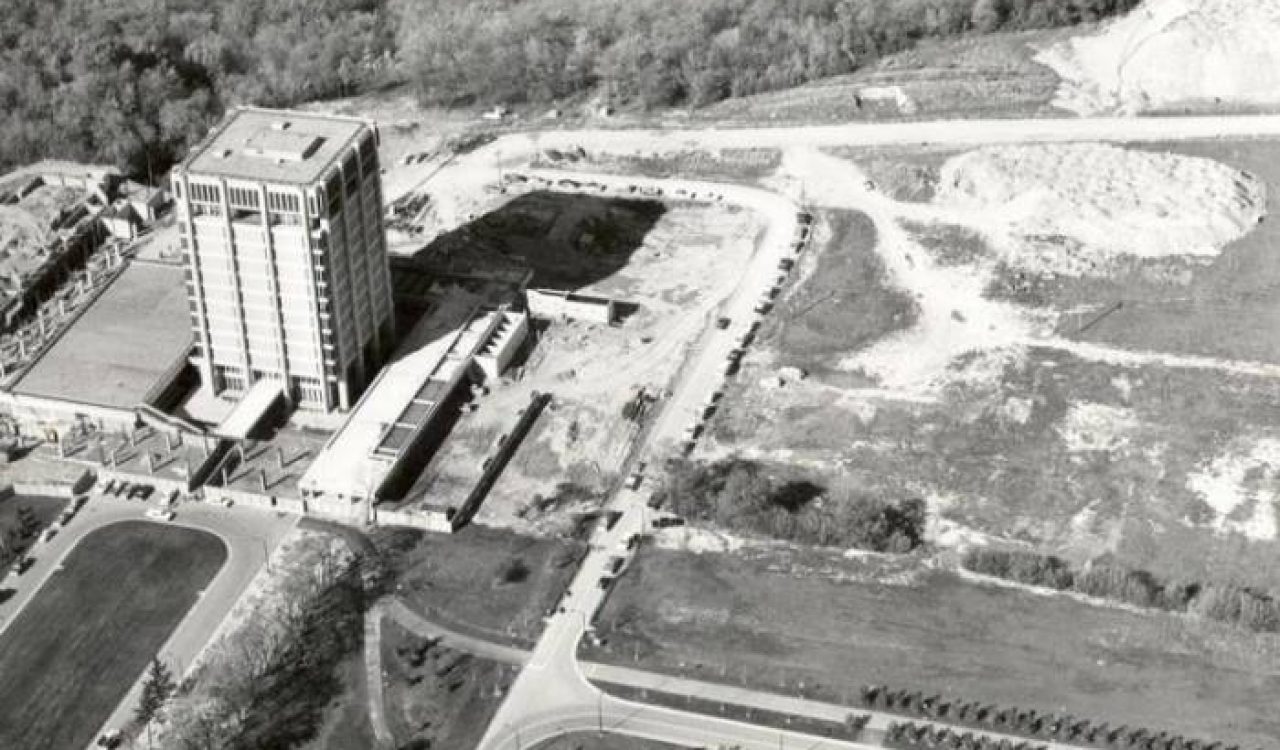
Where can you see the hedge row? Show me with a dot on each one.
(1256, 610)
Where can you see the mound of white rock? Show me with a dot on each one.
(1167, 53)
(1070, 208)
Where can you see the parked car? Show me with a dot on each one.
(723, 323)
(160, 514)
(111, 738)
(611, 519)
(49, 533)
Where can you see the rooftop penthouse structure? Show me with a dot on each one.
(280, 222)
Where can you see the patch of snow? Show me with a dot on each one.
(1168, 52)
(1090, 426)
(1222, 485)
(1074, 209)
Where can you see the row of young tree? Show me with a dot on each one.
(1242, 606)
(1026, 723)
(910, 736)
(133, 82)
(665, 52)
(742, 495)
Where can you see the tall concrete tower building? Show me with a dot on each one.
(280, 221)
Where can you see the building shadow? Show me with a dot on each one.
(567, 240)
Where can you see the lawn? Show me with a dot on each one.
(486, 582)
(346, 722)
(827, 626)
(46, 510)
(843, 302)
(438, 697)
(72, 654)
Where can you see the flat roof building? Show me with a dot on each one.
(280, 223)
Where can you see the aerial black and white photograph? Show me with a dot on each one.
(639, 375)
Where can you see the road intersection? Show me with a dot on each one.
(552, 696)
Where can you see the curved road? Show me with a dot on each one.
(249, 534)
(551, 696)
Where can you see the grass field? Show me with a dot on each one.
(46, 510)
(71, 655)
(437, 697)
(346, 722)
(491, 583)
(842, 304)
(826, 627)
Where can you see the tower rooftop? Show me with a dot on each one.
(273, 145)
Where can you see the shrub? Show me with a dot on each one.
(741, 495)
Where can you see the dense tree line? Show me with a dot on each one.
(1237, 605)
(665, 52)
(134, 82)
(742, 496)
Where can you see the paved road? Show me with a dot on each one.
(618, 720)
(249, 535)
(611, 714)
(550, 694)
(551, 685)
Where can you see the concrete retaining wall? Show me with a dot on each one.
(429, 520)
(549, 303)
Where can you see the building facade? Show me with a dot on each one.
(280, 222)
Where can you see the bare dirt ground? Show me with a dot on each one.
(1173, 55)
(671, 269)
(1009, 391)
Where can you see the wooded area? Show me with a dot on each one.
(134, 82)
(667, 52)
